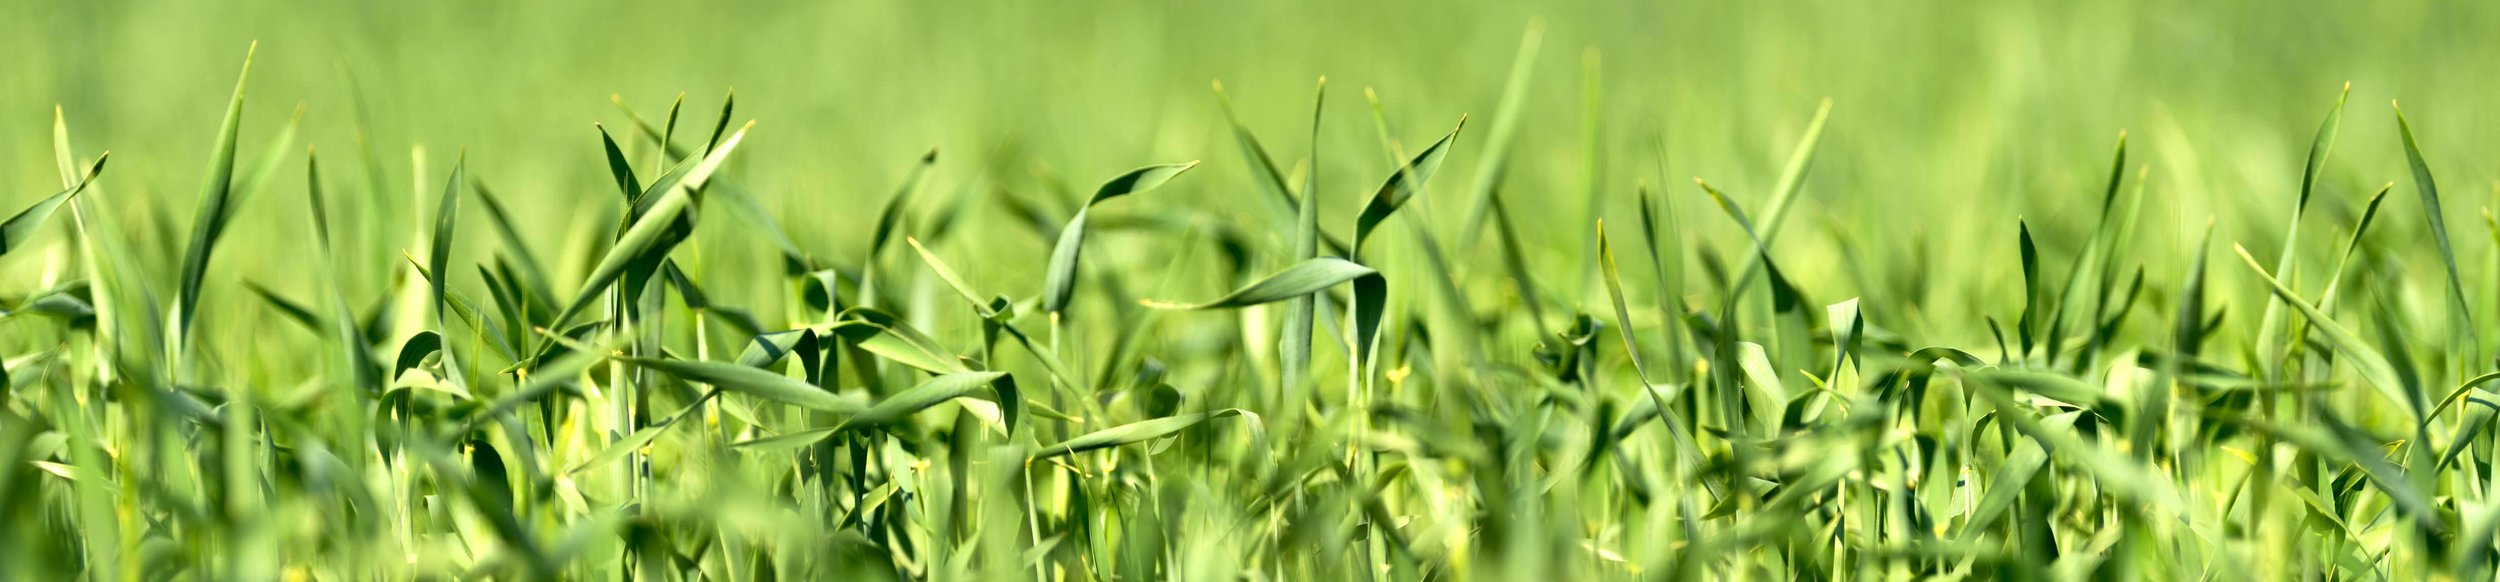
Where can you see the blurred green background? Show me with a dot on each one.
(1951, 119)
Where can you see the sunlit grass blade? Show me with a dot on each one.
(1299, 280)
(215, 197)
(645, 237)
(752, 382)
(932, 393)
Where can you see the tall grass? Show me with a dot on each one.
(1381, 372)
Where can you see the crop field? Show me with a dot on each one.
(1257, 291)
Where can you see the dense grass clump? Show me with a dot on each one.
(1408, 373)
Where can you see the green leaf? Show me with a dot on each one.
(1299, 280)
(784, 441)
(634, 442)
(2367, 361)
(1687, 452)
(1792, 177)
(1403, 185)
(755, 382)
(887, 336)
(1060, 283)
(1137, 432)
(1496, 165)
(619, 169)
(890, 221)
(2011, 477)
(2460, 320)
(216, 191)
(446, 223)
(18, 228)
(413, 352)
(645, 238)
(926, 395)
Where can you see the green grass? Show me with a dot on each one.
(1923, 327)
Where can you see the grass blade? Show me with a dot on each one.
(1060, 283)
(1300, 280)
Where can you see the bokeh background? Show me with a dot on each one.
(1950, 121)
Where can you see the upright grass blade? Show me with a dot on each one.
(1060, 284)
(619, 169)
(2091, 268)
(2319, 148)
(215, 195)
(2372, 366)
(1688, 454)
(1793, 175)
(1294, 350)
(1496, 166)
(343, 326)
(646, 237)
(2461, 327)
(889, 224)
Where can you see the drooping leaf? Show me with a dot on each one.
(1059, 285)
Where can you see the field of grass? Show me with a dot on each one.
(1249, 291)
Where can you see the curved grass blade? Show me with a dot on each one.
(2460, 318)
(19, 227)
(1687, 452)
(888, 337)
(644, 237)
(929, 394)
(752, 382)
(953, 281)
(1137, 432)
(1300, 280)
(1059, 285)
(2012, 477)
(1403, 185)
(634, 442)
(2372, 366)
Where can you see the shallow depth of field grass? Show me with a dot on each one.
(1454, 292)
